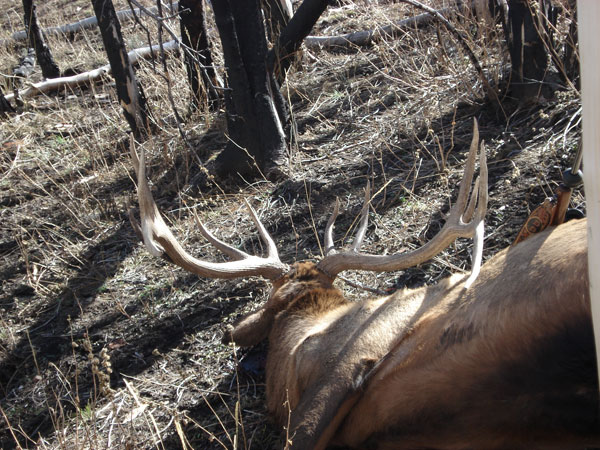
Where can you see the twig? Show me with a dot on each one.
(436, 14)
(365, 288)
(13, 165)
(161, 22)
(166, 76)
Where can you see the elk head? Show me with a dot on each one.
(308, 286)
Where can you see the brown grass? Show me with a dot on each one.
(102, 346)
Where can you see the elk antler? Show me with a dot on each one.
(464, 220)
(159, 239)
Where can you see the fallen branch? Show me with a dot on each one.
(366, 37)
(91, 76)
(362, 38)
(84, 24)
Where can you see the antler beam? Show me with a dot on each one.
(464, 219)
(159, 240)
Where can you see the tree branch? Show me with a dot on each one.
(436, 14)
(366, 37)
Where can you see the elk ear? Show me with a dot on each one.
(251, 329)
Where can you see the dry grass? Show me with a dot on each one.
(102, 346)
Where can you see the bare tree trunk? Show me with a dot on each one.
(129, 91)
(283, 53)
(254, 126)
(277, 14)
(36, 40)
(527, 21)
(197, 57)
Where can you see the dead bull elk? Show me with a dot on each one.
(507, 363)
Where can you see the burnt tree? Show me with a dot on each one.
(255, 108)
(277, 14)
(197, 56)
(283, 53)
(529, 38)
(129, 92)
(36, 40)
(255, 130)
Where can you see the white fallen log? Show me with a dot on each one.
(83, 24)
(362, 38)
(54, 84)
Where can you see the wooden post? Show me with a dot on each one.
(588, 12)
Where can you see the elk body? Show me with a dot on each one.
(507, 363)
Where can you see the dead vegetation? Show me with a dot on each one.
(102, 346)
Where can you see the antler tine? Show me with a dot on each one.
(456, 226)
(134, 157)
(470, 209)
(329, 247)
(159, 240)
(467, 179)
(264, 234)
(482, 193)
(477, 254)
(481, 189)
(150, 217)
(364, 220)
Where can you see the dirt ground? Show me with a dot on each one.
(104, 346)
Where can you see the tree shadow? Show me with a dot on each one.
(48, 339)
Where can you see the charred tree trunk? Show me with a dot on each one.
(277, 14)
(528, 25)
(255, 129)
(282, 55)
(129, 92)
(197, 57)
(36, 40)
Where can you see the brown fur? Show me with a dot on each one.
(508, 363)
